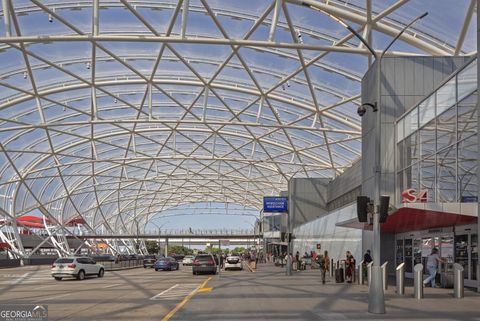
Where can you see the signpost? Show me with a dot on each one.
(275, 204)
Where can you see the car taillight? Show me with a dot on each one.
(211, 262)
(72, 266)
(196, 262)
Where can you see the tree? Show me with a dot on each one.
(175, 249)
(239, 250)
(152, 247)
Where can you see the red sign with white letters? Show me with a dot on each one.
(411, 196)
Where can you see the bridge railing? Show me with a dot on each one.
(199, 232)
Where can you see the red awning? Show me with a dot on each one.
(413, 219)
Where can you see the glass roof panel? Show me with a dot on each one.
(225, 106)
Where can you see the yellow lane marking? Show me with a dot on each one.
(205, 290)
(185, 300)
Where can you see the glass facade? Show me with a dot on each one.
(437, 141)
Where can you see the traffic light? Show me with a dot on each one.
(362, 208)
(383, 208)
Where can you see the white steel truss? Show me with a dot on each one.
(114, 111)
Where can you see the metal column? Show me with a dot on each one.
(369, 273)
(458, 288)
(400, 276)
(360, 273)
(418, 281)
(384, 276)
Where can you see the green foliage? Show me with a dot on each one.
(238, 250)
(180, 250)
(152, 247)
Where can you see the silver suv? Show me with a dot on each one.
(77, 267)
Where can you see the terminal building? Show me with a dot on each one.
(429, 149)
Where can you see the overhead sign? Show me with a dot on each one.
(411, 196)
(225, 242)
(275, 204)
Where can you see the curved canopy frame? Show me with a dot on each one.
(116, 111)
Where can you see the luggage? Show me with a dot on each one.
(339, 275)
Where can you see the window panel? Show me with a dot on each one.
(467, 167)
(467, 116)
(467, 80)
(411, 149)
(446, 128)
(446, 97)
(447, 178)
(427, 139)
(426, 110)
(427, 177)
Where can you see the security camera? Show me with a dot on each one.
(361, 110)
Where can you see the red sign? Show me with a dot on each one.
(4, 245)
(411, 196)
(319, 246)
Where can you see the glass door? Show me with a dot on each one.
(473, 255)
(461, 251)
(399, 252)
(408, 256)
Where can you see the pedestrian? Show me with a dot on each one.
(327, 261)
(324, 263)
(432, 267)
(349, 267)
(367, 258)
(297, 260)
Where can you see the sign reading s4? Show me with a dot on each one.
(411, 196)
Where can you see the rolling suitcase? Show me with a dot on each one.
(339, 275)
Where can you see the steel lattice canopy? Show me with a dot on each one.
(115, 110)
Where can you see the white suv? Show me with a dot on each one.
(77, 267)
(233, 262)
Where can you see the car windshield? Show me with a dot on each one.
(64, 261)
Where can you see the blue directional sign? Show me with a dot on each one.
(277, 204)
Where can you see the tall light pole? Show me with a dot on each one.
(159, 232)
(376, 299)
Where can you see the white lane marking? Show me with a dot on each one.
(178, 290)
(44, 287)
(20, 279)
(53, 297)
(110, 286)
(163, 292)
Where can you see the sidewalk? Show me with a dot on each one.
(269, 294)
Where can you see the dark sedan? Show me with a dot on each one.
(204, 263)
(166, 263)
(149, 261)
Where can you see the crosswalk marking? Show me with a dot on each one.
(176, 291)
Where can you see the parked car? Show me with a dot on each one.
(233, 262)
(178, 257)
(166, 263)
(103, 257)
(204, 263)
(77, 267)
(188, 260)
(149, 261)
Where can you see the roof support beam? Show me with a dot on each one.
(273, 26)
(6, 18)
(186, 4)
(466, 24)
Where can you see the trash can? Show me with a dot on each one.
(446, 276)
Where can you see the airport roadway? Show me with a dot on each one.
(267, 294)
